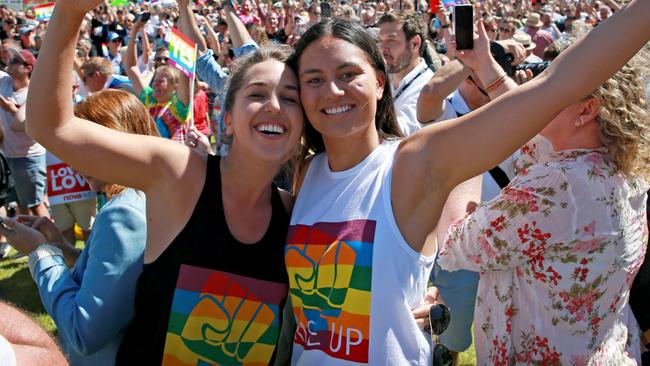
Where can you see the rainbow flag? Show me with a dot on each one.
(330, 277)
(182, 52)
(44, 12)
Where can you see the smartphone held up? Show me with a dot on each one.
(464, 26)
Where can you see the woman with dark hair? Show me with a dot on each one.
(90, 303)
(362, 238)
(214, 281)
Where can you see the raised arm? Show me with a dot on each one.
(131, 60)
(478, 141)
(238, 32)
(144, 162)
(431, 100)
(187, 25)
(146, 46)
(441, 156)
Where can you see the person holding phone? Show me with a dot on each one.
(89, 293)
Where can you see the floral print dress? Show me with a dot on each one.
(557, 252)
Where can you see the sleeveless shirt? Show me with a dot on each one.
(353, 278)
(210, 299)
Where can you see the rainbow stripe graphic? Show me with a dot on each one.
(219, 318)
(330, 272)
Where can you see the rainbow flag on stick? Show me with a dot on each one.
(44, 12)
(182, 52)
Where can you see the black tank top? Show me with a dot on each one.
(209, 299)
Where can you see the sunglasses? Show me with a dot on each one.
(161, 59)
(505, 30)
(17, 61)
(439, 318)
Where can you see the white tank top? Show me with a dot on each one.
(353, 278)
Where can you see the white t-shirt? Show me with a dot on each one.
(405, 97)
(353, 278)
(16, 144)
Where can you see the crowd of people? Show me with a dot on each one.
(334, 171)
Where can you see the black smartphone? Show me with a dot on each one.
(325, 10)
(464, 26)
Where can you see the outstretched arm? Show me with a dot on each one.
(145, 162)
(131, 60)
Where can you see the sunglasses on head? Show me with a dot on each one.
(439, 318)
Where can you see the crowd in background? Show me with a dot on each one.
(126, 47)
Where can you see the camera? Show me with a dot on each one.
(505, 61)
(536, 67)
(143, 17)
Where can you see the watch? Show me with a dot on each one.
(42, 251)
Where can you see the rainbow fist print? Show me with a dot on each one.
(219, 318)
(330, 272)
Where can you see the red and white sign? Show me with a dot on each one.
(64, 184)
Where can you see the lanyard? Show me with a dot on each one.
(401, 91)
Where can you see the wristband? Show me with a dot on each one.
(42, 251)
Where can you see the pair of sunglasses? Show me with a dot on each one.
(439, 318)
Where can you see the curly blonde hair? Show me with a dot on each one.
(624, 118)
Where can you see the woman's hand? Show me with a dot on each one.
(421, 314)
(23, 238)
(197, 141)
(46, 227)
(480, 54)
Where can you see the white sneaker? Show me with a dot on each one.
(4, 249)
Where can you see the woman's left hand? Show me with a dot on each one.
(23, 238)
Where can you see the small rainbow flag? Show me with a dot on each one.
(182, 52)
(44, 12)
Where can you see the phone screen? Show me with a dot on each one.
(464, 26)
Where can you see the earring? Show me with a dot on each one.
(578, 122)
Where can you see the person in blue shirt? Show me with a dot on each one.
(90, 293)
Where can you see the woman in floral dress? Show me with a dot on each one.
(559, 248)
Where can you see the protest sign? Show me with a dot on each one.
(182, 52)
(64, 185)
(43, 12)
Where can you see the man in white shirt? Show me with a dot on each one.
(401, 41)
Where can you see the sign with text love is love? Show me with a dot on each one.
(182, 52)
(44, 12)
(64, 185)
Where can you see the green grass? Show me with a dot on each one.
(17, 287)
